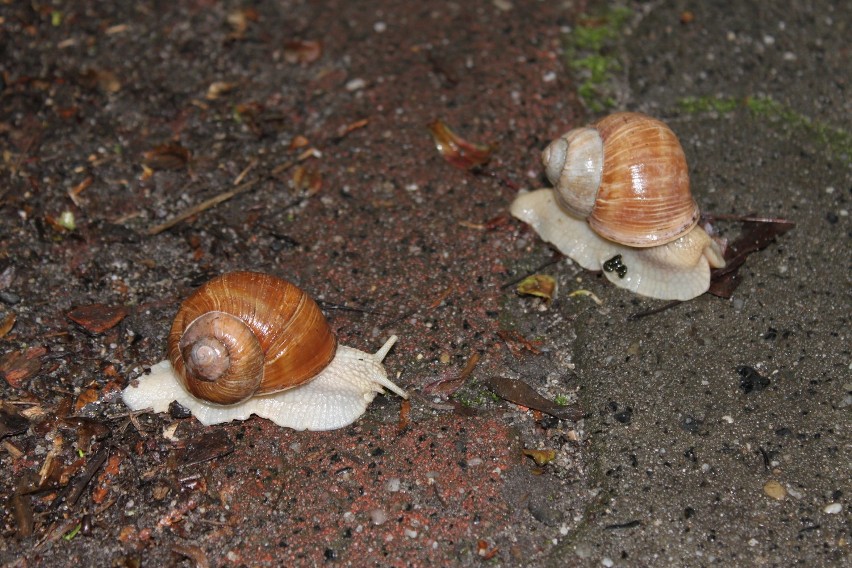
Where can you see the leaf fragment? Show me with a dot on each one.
(18, 366)
(519, 392)
(757, 233)
(539, 285)
(97, 318)
(302, 52)
(540, 457)
(459, 152)
(167, 157)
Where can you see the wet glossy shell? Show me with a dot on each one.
(644, 198)
(246, 333)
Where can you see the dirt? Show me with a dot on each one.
(714, 433)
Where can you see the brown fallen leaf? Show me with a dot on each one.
(86, 396)
(302, 51)
(167, 157)
(11, 422)
(97, 318)
(404, 415)
(18, 366)
(7, 324)
(450, 383)
(206, 447)
(101, 79)
(757, 233)
(307, 180)
(519, 392)
(457, 151)
(517, 343)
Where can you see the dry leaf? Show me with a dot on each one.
(167, 157)
(306, 180)
(302, 52)
(521, 393)
(539, 285)
(458, 151)
(97, 318)
(757, 234)
(450, 382)
(18, 366)
(219, 88)
(540, 457)
(7, 324)
(517, 343)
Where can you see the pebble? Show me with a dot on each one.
(392, 484)
(832, 508)
(378, 516)
(775, 490)
(583, 550)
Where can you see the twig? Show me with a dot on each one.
(639, 315)
(203, 206)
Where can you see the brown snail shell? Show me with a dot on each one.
(621, 204)
(627, 175)
(246, 333)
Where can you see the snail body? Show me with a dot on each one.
(249, 343)
(621, 203)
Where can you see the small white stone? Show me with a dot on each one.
(607, 562)
(380, 27)
(356, 84)
(392, 484)
(832, 508)
(378, 516)
(410, 533)
(753, 542)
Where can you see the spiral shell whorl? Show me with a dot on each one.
(266, 332)
(644, 198)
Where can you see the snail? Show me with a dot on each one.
(621, 203)
(249, 343)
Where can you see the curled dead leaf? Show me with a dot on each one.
(459, 152)
(219, 88)
(18, 366)
(517, 343)
(757, 233)
(7, 324)
(306, 180)
(302, 51)
(540, 457)
(539, 285)
(167, 157)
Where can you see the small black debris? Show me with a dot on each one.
(751, 380)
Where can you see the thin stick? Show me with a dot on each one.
(203, 206)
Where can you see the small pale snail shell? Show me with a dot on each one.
(621, 203)
(249, 343)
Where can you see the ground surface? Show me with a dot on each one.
(715, 432)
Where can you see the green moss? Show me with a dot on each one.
(476, 396)
(561, 400)
(590, 54)
(837, 140)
